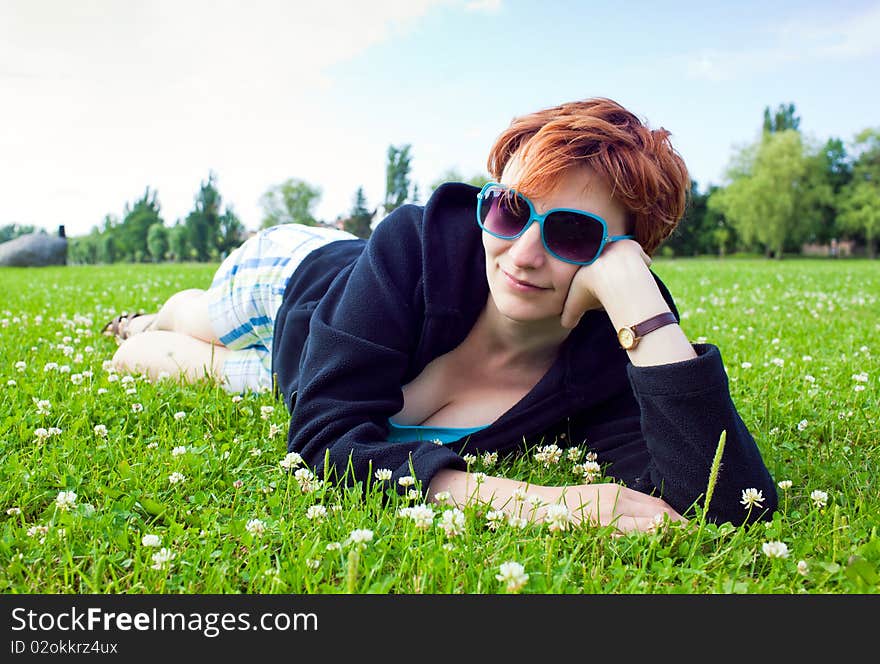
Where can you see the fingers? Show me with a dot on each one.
(580, 298)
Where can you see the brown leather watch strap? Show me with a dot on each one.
(653, 323)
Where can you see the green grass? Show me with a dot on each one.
(810, 329)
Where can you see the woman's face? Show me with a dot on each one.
(526, 283)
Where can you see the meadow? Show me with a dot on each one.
(114, 484)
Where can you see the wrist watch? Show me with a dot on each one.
(629, 336)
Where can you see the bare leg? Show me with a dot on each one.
(179, 355)
(185, 312)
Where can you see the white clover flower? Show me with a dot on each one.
(44, 407)
(307, 480)
(469, 459)
(515, 521)
(112, 378)
(775, 549)
(413, 494)
(151, 540)
(574, 453)
(179, 450)
(38, 531)
(784, 484)
(802, 567)
(41, 434)
(256, 451)
(13, 511)
(176, 477)
(548, 455)
(361, 536)
(746, 365)
(406, 480)
(20, 366)
(803, 424)
(153, 445)
(256, 527)
(131, 390)
(65, 500)
(518, 494)
(137, 408)
(266, 412)
(100, 430)
(291, 460)
(452, 522)
(778, 361)
(809, 378)
(274, 430)
(751, 498)
(11, 382)
(807, 358)
(76, 378)
(102, 390)
(316, 512)
(557, 517)
(421, 515)
(55, 431)
(512, 575)
(589, 470)
(50, 366)
(494, 519)
(237, 398)
(479, 478)
(382, 474)
(162, 558)
(333, 546)
(313, 563)
(490, 459)
(534, 500)
(819, 498)
(860, 377)
(442, 497)
(179, 415)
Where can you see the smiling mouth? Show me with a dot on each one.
(521, 285)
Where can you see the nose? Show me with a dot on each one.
(528, 249)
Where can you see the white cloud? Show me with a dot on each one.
(103, 98)
(806, 39)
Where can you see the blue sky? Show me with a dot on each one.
(102, 98)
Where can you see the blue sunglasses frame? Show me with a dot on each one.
(535, 217)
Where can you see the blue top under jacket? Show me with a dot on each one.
(361, 318)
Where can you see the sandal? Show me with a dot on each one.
(117, 327)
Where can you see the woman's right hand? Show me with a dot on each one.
(612, 504)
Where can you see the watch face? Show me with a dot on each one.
(625, 336)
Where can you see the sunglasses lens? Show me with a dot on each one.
(503, 213)
(572, 236)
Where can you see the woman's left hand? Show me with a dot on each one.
(607, 276)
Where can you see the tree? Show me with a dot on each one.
(210, 231)
(397, 181)
(860, 200)
(157, 242)
(702, 229)
(784, 118)
(831, 165)
(360, 219)
(290, 202)
(131, 234)
(773, 197)
(178, 247)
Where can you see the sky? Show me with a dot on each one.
(100, 99)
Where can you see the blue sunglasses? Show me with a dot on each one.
(573, 236)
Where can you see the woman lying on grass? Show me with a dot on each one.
(486, 321)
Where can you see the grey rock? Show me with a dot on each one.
(34, 250)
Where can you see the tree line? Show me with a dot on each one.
(781, 191)
(784, 191)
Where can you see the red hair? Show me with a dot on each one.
(646, 175)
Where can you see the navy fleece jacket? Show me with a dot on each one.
(360, 319)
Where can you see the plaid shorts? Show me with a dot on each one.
(247, 291)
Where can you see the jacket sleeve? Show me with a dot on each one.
(662, 437)
(361, 338)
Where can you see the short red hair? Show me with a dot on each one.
(646, 175)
